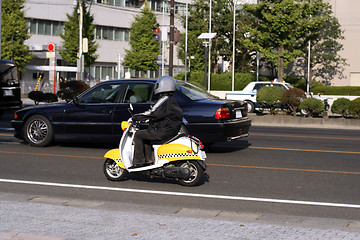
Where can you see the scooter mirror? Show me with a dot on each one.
(130, 109)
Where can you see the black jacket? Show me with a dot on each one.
(165, 118)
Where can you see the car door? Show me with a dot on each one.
(91, 115)
(141, 97)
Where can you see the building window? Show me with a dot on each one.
(112, 33)
(46, 27)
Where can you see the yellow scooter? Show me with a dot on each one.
(181, 158)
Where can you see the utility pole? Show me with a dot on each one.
(171, 50)
(80, 58)
(0, 28)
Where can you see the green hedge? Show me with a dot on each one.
(221, 81)
(335, 90)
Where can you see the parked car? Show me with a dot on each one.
(97, 114)
(10, 94)
(248, 94)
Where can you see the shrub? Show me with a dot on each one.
(36, 96)
(269, 97)
(341, 106)
(354, 108)
(50, 97)
(292, 98)
(71, 89)
(314, 107)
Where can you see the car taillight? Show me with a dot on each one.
(222, 113)
(15, 116)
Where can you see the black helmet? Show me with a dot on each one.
(165, 84)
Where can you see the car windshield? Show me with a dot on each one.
(193, 92)
(8, 74)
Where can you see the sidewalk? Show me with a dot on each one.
(30, 218)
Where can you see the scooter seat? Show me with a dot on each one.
(167, 140)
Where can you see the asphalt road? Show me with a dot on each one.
(273, 163)
(276, 171)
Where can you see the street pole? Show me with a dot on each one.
(163, 42)
(0, 27)
(209, 48)
(80, 60)
(257, 57)
(206, 44)
(233, 60)
(186, 40)
(171, 50)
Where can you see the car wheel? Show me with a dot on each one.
(251, 106)
(38, 131)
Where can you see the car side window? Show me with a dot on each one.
(257, 87)
(102, 94)
(138, 93)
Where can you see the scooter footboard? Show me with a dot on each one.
(114, 154)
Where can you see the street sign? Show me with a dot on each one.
(51, 47)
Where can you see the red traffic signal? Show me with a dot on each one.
(157, 34)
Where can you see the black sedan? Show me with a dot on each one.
(96, 114)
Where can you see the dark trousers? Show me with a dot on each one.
(143, 151)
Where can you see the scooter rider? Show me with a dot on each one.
(165, 119)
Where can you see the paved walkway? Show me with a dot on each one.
(30, 218)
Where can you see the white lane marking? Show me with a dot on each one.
(7, 129)
(326, 204)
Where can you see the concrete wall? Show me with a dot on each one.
(347, 12)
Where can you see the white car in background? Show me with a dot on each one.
(248, 94)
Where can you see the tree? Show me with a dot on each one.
(14, 32)
(279, 31)
(324, 35)
(144, 48)
(222, 24)
(71, 36)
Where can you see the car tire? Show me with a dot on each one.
(38, 131)
(251, 106)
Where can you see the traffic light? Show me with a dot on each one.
(157, 34)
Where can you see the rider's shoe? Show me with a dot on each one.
(137, 166)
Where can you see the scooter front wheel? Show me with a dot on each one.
(196, 173)
(113, 172)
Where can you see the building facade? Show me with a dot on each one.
(112, 19)
(346, 11)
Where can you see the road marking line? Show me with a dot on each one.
(51, 155)
(300, 136)
(282, 169)
(209, 164)
(326, 204)
(303, 150)
(6, 135)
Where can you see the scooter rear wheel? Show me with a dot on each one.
(196, 173)
(113, 172)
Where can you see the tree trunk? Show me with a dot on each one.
(281, 64)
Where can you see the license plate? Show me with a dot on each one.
(238, 114)
(8, 93)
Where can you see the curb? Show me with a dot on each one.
(304, 122)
